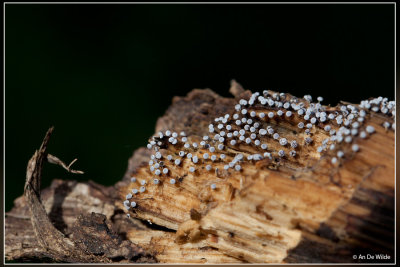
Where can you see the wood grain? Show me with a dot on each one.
(301, 209)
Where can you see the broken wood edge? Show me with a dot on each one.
(34, 235)
(55, 243)
(39, 180)
(148, 214)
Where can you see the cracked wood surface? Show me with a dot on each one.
(316, 214)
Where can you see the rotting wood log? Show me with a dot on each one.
(307, 207)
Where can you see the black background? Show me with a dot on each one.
(103, 74)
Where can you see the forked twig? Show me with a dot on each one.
(55, 160)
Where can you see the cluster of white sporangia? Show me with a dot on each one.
(252, 128)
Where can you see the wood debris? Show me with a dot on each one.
(306, 183)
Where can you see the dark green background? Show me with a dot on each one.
(103, 74)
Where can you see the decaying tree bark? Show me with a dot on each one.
(289, 210)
